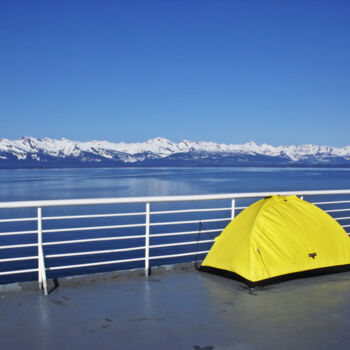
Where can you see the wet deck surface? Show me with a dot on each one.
(180, 310)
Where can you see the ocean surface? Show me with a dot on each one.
(35, 184)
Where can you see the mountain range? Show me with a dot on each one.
(29, 152)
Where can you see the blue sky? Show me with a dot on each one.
(226, 71)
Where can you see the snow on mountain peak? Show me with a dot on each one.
(159, 139)
(159, 148)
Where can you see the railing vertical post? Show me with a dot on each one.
(148, 211)
(233, 209)
(41, 262)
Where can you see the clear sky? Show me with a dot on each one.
(216, 70)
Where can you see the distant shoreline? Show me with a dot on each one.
(138, 166)
(29, 152)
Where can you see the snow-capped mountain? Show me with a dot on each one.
(32, 152)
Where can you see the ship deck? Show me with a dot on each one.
(180, 310)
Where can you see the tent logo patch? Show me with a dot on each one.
(312, 255)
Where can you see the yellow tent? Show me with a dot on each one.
(279, 236)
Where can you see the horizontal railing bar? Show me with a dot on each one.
(19, 245)
(17, 271)
(93, 252)
(86, 228)
(90, 216)
(343, 218)
(177, 255)
(184, 233)
(17, 233)
(93, 240)
(345, 225)
(188, 211)
(94, 264)
(19, 259)
(187, 222)
(124, 200)
(337, 210)
(332, 202)
(181, 243)
(241, 208)
(18, 220)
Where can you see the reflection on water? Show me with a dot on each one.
(123, 182)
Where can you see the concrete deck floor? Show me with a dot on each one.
(180, 310)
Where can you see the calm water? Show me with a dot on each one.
(18, 185)
(91, 183)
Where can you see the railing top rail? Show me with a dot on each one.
(124, 200)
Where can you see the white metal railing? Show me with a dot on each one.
(230, 208)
